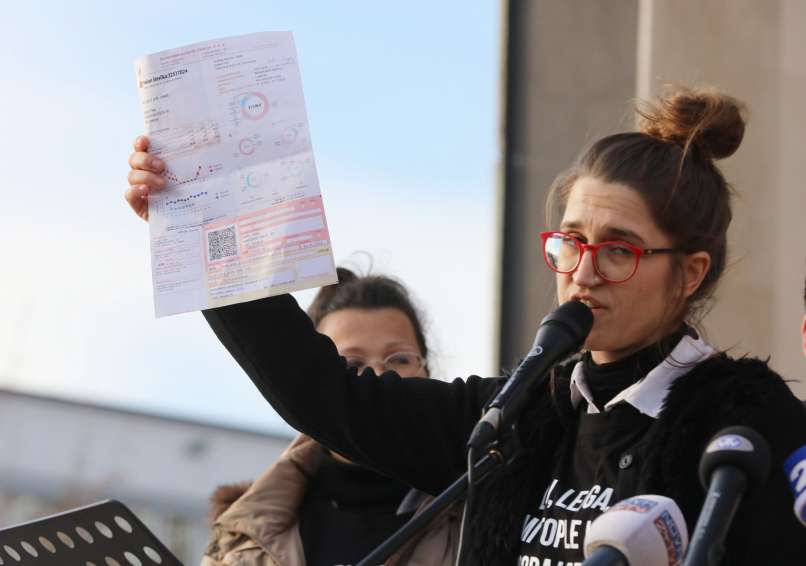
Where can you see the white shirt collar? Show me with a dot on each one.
(648, 394)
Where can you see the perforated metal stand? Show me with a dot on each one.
(102, 534)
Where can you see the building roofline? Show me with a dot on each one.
(139, 413)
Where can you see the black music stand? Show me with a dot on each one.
(102, 534)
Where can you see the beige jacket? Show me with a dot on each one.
(260, 527)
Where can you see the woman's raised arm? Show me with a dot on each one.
(412, 429)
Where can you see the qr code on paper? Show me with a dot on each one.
(222, 243)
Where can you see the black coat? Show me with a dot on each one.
(717, 393)
(415, 430)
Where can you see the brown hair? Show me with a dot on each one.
(670, 163)
(367, 292)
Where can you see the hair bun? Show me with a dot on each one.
(704, 118)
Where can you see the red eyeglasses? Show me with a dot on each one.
(614, 262)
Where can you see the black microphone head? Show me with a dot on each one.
(576, 316)
(741, 447)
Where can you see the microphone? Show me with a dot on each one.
(736, 461)
(795, 468)
(645, 530)
(560, 334)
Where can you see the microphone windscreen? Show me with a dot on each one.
(795, 468)
(576, 316)
(647, 529)
(741, 447)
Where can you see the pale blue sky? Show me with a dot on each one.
(403, 102)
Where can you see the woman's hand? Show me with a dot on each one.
(145, 176)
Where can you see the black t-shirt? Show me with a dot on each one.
(597, 467)
(347, 512)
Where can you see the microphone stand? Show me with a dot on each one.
(498, 454)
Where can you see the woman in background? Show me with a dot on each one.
(314, 507)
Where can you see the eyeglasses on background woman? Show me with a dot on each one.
(406, 364)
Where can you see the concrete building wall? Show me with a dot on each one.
(754, 51)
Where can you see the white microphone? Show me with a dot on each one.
(645, 530)
(795, 468)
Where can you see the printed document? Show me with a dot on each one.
(241, 216)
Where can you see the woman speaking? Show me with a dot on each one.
(641, 240)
